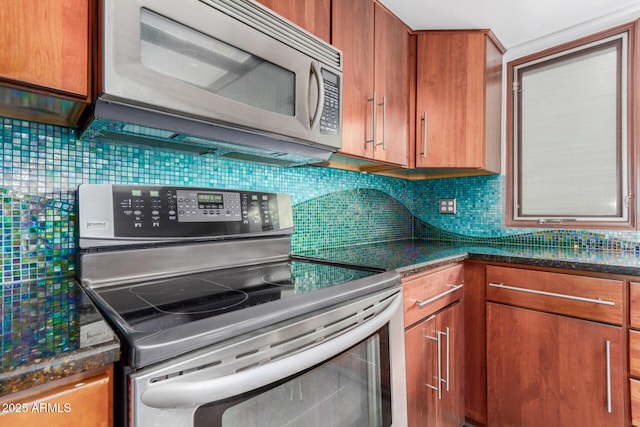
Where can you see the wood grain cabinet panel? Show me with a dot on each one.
(375, 46)
(442, 287)
(434, 347)
(589, 298)
(550, 370)
(634, 305)
(392, 88)
(634, 386)
(46, 46)
(435, 369)
(458, 101)
(45, 59)
(84, 400)
(475, 342)
(634, 353)
(353, 32)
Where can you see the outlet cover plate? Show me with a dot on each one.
(447, 206)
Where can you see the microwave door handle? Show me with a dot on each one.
(315, 70)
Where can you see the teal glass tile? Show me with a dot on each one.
(42, 165)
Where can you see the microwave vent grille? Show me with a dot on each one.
(258, 17)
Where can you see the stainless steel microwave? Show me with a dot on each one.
(210, 73)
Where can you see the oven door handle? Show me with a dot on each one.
(188, 392)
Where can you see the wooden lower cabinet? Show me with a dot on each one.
(634, 352)
(435, 369)
(81, 400)
(551, 370)
(634, 391)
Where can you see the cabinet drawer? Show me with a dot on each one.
(634, 389)
(84, 402)
(634, 354)
(428, 292)
(634, 304)
(589, 298)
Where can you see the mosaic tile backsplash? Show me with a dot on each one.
(42, 166)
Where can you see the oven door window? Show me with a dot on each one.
(351, 389)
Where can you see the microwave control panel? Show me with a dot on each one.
(330, 119)
(157, 212)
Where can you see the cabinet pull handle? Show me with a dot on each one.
(552, 294)
(421, 304)
(608, 357)
(424, 135)
(439, 334)
(384, 123)
(373, 140)
(438, 386)
(446, 334)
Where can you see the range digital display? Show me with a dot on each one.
(210, 198)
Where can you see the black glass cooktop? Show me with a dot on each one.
(152, 306)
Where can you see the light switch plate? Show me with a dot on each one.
(447, 206)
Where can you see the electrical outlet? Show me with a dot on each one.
(447, 206)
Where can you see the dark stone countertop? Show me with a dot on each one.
(53, 333)
(78, 338)
(413, 256)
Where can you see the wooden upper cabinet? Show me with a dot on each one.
(458, 101)
(45, 59)
(46, 45)
(352, 32)
(312, 15)
(375, 46)
(392, 88)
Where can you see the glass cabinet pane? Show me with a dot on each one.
(180, 52)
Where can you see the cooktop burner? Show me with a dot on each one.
(151, 306)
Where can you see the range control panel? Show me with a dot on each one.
(156, 212)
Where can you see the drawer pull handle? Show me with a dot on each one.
(552, 294)
(454, 288)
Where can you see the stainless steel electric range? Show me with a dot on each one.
(221, 325)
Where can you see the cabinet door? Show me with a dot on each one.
(435, 355)
(312, 15)
(552, 370)
(451, 409)
(458, 100)
(392, 88)
(352, 32)
(449, 97)
(419, 357)
(46, 44)
(86, 402)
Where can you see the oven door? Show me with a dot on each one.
(341, 367)
(351, 389)
(189, 58)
